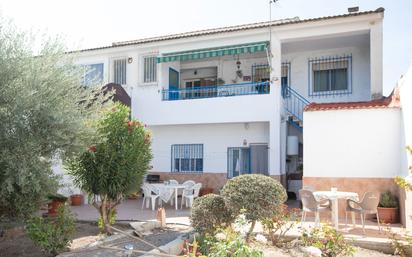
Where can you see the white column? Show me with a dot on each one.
(376, 60)
(275, 124)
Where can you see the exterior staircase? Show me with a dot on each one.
(294, 105)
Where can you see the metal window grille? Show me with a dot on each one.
(119, 71)
(149, 69)
(260, 72)
(187, 158)
(330, 75)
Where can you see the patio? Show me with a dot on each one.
(130, 210)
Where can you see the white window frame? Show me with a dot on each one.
(112, 60)
(346, 91)
(142, 69)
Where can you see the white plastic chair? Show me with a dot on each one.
(368, 205)
(188, 190)
(149, 195)
(191, 195)
(310, 204)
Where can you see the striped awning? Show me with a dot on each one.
(212, 52)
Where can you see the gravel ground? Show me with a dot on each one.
(158, 238)
(273, 251)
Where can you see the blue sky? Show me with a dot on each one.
(91, 23)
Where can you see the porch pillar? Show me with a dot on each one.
(275, 150)
(376, 60)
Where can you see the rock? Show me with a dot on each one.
(142, 227)
(312, 251)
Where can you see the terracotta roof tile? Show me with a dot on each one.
(391, 101)
(257, 25)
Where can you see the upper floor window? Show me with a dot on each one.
(119, 71)
(187, 158)
(260, 72)
(149, 69)
(331, 75)
(93, 74)
(285, 78)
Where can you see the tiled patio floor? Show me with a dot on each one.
(130, 210)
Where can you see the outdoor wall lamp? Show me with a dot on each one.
(130, 59)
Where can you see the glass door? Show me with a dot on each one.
(173, 84)
(238, 161)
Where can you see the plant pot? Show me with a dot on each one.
(205, 191)
(388, 215)
(76, 200)
(53, 207)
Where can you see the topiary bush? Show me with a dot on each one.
(209, 213)
(258, 197)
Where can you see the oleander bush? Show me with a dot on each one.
(258, 197)
(209, 213)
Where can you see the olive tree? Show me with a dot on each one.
(44, 111)
(116, 164)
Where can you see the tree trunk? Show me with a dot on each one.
(105, 215)
(252, 226)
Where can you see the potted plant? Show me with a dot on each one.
(76, 199)
(56, 200)
(388, 208)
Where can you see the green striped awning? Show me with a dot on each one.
(212, 52)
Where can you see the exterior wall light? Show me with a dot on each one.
(130, 59)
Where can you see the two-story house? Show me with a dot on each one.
(228, 101)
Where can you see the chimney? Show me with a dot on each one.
(353, 9)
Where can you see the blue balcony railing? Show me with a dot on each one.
(294, 102)
(249, 88)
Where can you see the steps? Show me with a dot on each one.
(294, 104)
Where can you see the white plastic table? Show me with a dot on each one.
(166, 191)
(333, 197)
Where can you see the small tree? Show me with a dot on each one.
(257, 196)
(114, 166)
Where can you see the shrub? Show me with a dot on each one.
(257, 196)
(329, 241)
(283, 221)
(388, 200)
(209, 212)
(53, 235)
(229, 243)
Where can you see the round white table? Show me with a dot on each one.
(166, 191)
(333, 196)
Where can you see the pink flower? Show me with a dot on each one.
(92, 149)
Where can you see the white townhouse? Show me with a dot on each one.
(228, 101)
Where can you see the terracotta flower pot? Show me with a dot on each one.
(388, 215)
(53, 207)
(205, 191)
(77, 200)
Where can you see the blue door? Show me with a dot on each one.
(173, 84)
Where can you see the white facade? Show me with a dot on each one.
(360, 143)
(221, 122)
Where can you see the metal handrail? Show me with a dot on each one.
(294, 102)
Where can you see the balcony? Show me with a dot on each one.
(249, 88)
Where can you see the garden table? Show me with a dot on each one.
(166, 191)
(333, 196)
